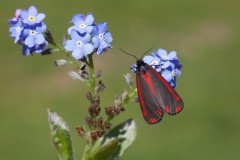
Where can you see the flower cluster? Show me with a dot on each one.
(87, 36)
(27, 30)
(166, 64)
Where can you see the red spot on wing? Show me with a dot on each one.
(152, 120)
(167, 108)
(144, 111)
(178, 98)
(159, 112)
(179, 108)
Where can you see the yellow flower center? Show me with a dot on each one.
(154, 62)
(165, 57)
(173, 73)
(31, 18)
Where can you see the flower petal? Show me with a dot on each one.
(29, 41)
(75, 36)
(87, 48)
(39, 39)
(86, 38)
(24, 15)
(77, 19)
(32, 11)
(42, 28)
(89, 29)
(96, 42)
(167, 75)
(89, 19)
(172, 55)
(177, 72)
(40, 17)
(162, 53)
(102, 27)
(108, 37)
(95, 31)
(148, 59)
(69, 45)
(166, 64)
(72, 28)
(77, 53)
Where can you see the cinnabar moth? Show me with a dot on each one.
(155, 94)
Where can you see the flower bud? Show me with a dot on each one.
(100, 132)
(94, 136)
(124, 95)
(135, 99)
(60, 62)
(88, 120)
(96, 101)
(47, 51)
(117, 101)
(98, 74)
(109, 111)
(128, 78)
(81, 132)
(75, 75)
(100, 121)
(100, 87)
(84, 74)
(107, 125)
(49, 37)
(89, 96)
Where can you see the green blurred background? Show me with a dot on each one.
(206, 35)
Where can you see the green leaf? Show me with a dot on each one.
(125, 133)
(60, 136)
(105, 151)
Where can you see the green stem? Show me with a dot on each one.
(92, 81)
(86, 152)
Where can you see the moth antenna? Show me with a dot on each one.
(128, 53)
(146, 52)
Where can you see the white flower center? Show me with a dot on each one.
(82, 25)
(79, 43)
(18, 29)
(32, 32)
(100, 36)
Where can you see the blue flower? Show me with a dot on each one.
(27, 29)
(166, 64)
(170, 74)
(79, 44)
(15, 19)
(34, 35)
(162, 54)
(32, 16)
(36, 48)
(153, 61)
(16, 30)
(82, 23)
(101, 37)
